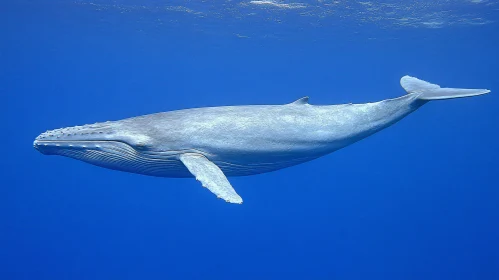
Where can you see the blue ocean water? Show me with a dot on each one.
(419, 200)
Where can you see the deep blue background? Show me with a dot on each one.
(419, 200)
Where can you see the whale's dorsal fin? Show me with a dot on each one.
(210, 176)
(301, 101)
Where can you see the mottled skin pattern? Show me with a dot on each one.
(241, 140)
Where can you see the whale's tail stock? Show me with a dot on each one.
(428, 91)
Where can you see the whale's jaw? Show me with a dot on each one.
(73, 136)
(89, 143)
(113, 146)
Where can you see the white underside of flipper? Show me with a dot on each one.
(210, 176)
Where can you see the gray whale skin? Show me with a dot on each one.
(214, 143)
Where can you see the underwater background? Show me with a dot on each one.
(418, 200)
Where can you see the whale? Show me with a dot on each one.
(213, 143)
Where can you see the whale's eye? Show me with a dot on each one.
(141, 146)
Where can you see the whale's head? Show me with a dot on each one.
(92, 137)
(121, 145)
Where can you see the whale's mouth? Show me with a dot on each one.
(115, 147)
(79, 138)
(113, 154)
(57, 147)
(117, 155)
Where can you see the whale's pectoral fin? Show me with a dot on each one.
(210, 176)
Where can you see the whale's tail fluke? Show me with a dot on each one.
(428, 91)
